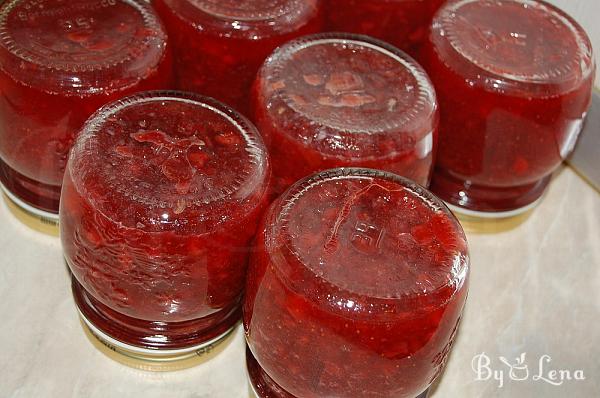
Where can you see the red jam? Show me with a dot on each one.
(335, 100)
(514, 81)
(403, 23)
(355, 289)
(59, 62)
(162, 195)
(220, 44)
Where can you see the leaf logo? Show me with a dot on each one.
(519, 371)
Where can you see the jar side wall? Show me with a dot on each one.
(37, 128)
(297, 343)
(404, 24)
(167, 276)
(294, 160)
(297, 14)
(220, 66)
(497, 139)
(301, 146)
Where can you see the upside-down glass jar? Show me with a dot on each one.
(355, 289)
(335, 99)
(403, 23)
(59, 62)
(514, 81)
(161, 197)
(220, 44)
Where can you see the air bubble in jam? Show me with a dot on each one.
(359, 259)
(341, 100)
(157, 216)
(220, 45)
(61, 61)
(514, 80)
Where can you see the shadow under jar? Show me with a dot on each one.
(355, 289)
(59, 62)
(162, 195)
(220, 44)
(403, 23)
(334, 99)
(514, 81)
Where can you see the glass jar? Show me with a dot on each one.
(220, 44)
(514, 81)
(355, 289)
(59, 62)
(161, 197)
(335, 99)
(403, 23)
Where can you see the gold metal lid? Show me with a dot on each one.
(159, 361)
(46, 224)
(488, 223)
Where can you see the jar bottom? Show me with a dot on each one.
(153, 341)
(262, 386)
(476, 201)
(29, 194)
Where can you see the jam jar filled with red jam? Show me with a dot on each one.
(334, 100)
(403, 23)
(162, 195)
(220, 44)
(59, 62)
(355, 288)
(514, 81)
